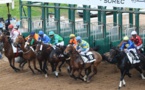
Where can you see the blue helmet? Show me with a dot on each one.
(41, 32)
(78, 38)
(32, 33)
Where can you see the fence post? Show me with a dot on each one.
(131, 17)
(43, 18)
(29, 17)
(20, 8)
(86, 19)
(71, 14)
(99, 15)
(57, 16)
(114, 17)
(120, 22)
(137, 20)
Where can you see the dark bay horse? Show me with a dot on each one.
(54, 56)
(28, 53)
(124, 64)
(77, 64)
(8, 51)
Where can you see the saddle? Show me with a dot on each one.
(88, 57)
(133, 58)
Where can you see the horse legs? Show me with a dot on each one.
(79, 74)
(56, 72)
(30, 67)
(59, 68)
(87, 72)
(94, 72)
(10, 62)
(45, 67)
(40, 65)
(69, 66)
(21, 65)
(34, 64)
(122, 81)
(141, 73)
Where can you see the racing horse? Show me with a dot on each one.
(54, 56)
(8, 52)
(77, 64)
(120, 57)
(28, 53)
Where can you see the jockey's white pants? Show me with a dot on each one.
(83, 53)
(140, 46)
(14, 48)
(61, 43)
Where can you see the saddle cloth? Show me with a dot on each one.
(15, 50)
(90, 59)
(133, 59)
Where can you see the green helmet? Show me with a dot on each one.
(51, 33)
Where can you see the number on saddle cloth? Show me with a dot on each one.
(90, 56)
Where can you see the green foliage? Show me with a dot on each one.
(36, 11)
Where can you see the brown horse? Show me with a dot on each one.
(8, 51)
(77, 64)
(28, 53)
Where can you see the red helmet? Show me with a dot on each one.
(10, 26)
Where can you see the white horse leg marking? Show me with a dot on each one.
(123, 82)
(56, 73)
(120, 84)
(41, 47)
(142, 76)
(46, 75)
(85, 78)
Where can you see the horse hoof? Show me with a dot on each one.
(46, 75)
(119, 88)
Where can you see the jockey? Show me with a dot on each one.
(73, 40)
(56, 39)
(13, 32)
(34, 35)
(13, 35)
(83, 46)
(43, 37)
(137, 40)
(129, 47)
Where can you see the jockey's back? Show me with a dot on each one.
(14, 33)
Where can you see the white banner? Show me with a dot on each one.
(5, 1)
(109, 3)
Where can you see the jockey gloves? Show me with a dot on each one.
(133, 33)
(125, 38)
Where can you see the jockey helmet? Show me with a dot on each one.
(133, 33)
(78, 38)
(51, 33)
(32, 33)
(10, 26)
(41, 32)
(72, 35)
(125, 38)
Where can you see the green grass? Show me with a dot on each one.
(36, 11)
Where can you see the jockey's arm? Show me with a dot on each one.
(27, 38)
(140, 41)
(122, 46)
(131, 45)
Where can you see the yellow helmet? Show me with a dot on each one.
(72, 35)
(125, 38)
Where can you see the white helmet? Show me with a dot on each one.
(133, 33)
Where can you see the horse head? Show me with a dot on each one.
(69, 49)
(113, 54)
(19, 42)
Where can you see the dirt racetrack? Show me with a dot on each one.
(106, 79)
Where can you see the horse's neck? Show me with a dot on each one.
(23, 48)
(7, 46)
(75, 55)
